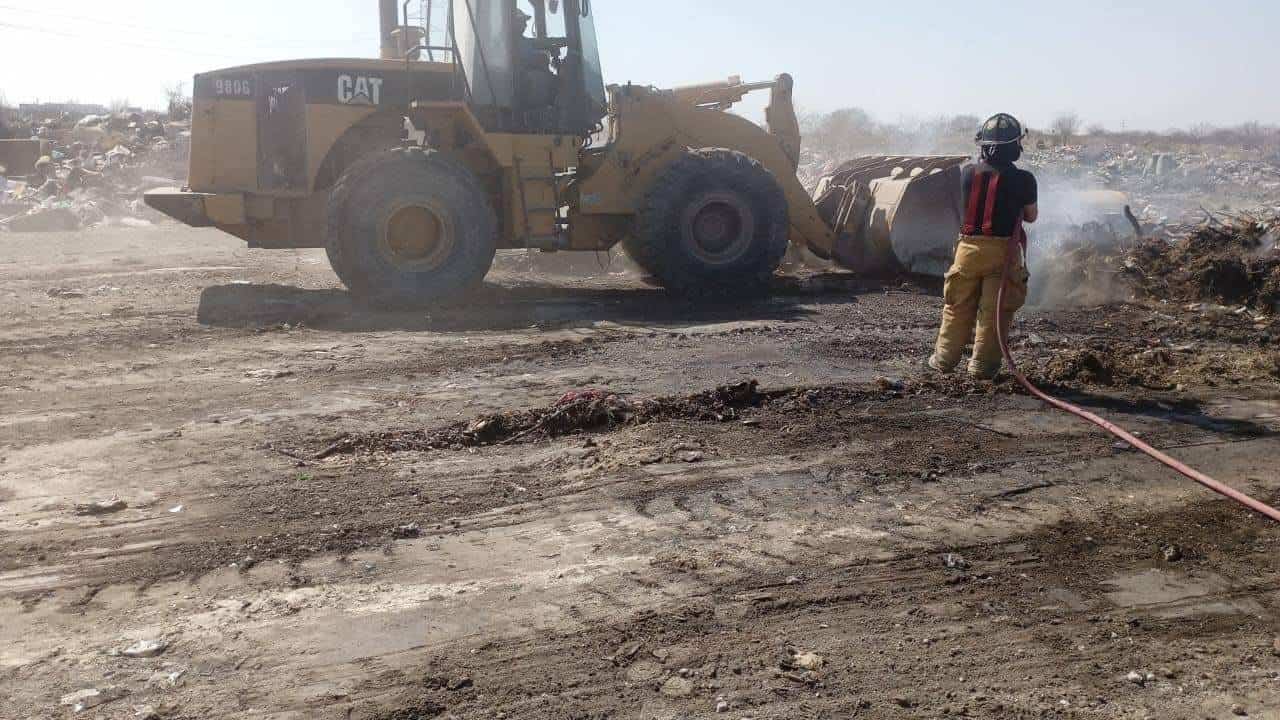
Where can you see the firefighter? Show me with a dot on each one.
(998, 198)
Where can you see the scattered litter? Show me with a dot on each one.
(955, 561)
(101, 507)
(146, 649)
(268, 374)
(411, 530)
(82, 700)
(166, 679)
(808, 661)
(578, 412)
(96, 170)
(66, 294)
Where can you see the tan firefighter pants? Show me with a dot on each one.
(970, 311)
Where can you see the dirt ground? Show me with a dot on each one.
(332, 513)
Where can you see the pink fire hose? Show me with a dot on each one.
(1257, 506)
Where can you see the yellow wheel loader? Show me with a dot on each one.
(497, 132)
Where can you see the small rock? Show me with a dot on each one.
(1136, 678)
(101, 507)
(412, 530)
(1168, 673)
(904, 702)
(626, 652)
(93, 697)
(66, 293)
(751, 422)
(722, 707)
(268, 374)
(678, 687)
(1173, 553)
(166, 680)
(888, 384)
(1035, 339)
(146, 649)
(459, 683)
(808, 661)
(177, 509)
(695, 456)
(955, 561)
(795, 580)
(1275, 647)
(1239, 710)
(644, 672)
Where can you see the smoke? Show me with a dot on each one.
(1081, 227)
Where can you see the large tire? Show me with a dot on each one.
(409, 227)
(715, 220)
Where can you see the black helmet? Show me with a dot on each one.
(1002, 129)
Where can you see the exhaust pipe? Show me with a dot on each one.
(389, 21)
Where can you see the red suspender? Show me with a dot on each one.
(988, 227)
(971, 219)
(980, 216)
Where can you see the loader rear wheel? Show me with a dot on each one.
(409, 227)
(715, 220)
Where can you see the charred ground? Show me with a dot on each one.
(587, 500)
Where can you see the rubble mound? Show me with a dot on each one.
(577, 412)
(1086, 366)
(1154, 368)
(1233, 263)
(1110, 366)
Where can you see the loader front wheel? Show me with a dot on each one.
(409, 227)
(715, 220)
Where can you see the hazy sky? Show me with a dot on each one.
(1152, 64)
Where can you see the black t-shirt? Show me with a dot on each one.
(1017, 190)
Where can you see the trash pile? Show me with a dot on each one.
(577, 412)
(1223, 260)
(1232, 262)
(1165, 185)
(815, 165)
(94, 171)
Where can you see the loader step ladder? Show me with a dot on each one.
(556, 239)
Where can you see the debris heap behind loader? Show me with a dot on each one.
(414, 169)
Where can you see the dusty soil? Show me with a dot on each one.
(578, 498)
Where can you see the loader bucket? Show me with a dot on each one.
(894, 212)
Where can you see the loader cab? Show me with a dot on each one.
(531, 66)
